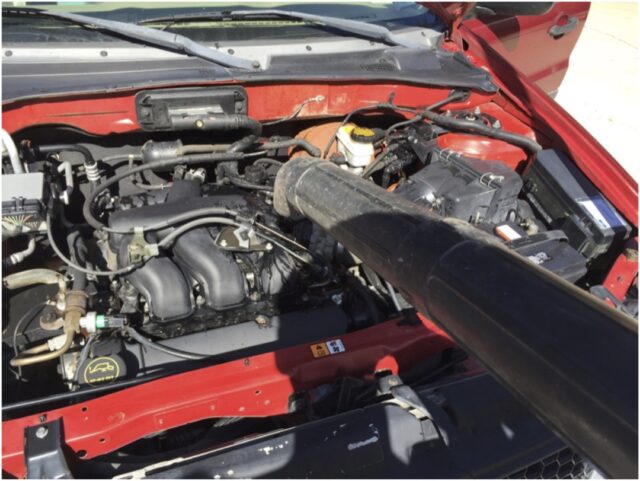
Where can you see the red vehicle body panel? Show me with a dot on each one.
(262, 385)
(526, 43)
(556, 123)
(103, 114)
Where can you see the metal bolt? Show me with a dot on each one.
(103, 53)
(262, 320)
(42, 432)
(255, 64)
(497, 124)
(337, 298)
(230, 51)
(269, 246)
(477, 111)
(8, 53)
(199, 123)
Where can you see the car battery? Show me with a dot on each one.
(547, 249)
(565, 199)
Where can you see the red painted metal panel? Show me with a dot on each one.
(525, 42)
(524, 99)
(624, 272)
(103, 114)
(491, 149)
(256, 386)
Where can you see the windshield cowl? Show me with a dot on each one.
(262, 54)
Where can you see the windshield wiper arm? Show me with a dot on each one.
(147, 35)
(356, 27)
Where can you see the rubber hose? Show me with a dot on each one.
(243, 144)
(81, 149)
(471, 126)
(187, 159)
(12, 150)
(303, 144)
(34, 276)
(27, 361)
(167, 350)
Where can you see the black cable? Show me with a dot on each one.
(77, 254)
(187, 159)
(380, 106)
(84, 355)
(442, 368)
(30, 314)
(70, 263)
(375, 165)
(243, 144)
(296, 112)
(162, 348)
(268, 161)
(452, 97)
(470, 126)
(164, 243)
(185, 216)
(81, 149)
(238, 182)
(302, 143)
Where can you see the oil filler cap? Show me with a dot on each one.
(102, 370)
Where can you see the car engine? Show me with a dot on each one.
(142, 254)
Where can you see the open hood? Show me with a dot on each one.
(450, 12)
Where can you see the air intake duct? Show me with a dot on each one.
(566, 355)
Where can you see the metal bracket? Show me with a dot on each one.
(139, 249)
(44, 451)
(403, 396)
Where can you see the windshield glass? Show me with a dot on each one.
(30, 30)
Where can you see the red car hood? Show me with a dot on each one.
(450, 12)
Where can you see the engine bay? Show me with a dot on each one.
(134, 255)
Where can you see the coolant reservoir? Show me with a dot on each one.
(356, 144)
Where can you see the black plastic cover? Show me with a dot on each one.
(216, 271)
(485, 433)
(567, 200)
(165, 289)
(551, 251)
(175, 109)
(470, 189)
(415, 66)
(567, 355)
(244, 339)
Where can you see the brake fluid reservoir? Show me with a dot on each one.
(356, 144)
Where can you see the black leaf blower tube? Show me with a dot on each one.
(565, 354)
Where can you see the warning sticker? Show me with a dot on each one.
(335, 346)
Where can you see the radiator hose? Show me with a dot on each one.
(566, 355)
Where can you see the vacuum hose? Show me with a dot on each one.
(565, 354)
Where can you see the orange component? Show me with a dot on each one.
(318, 135)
